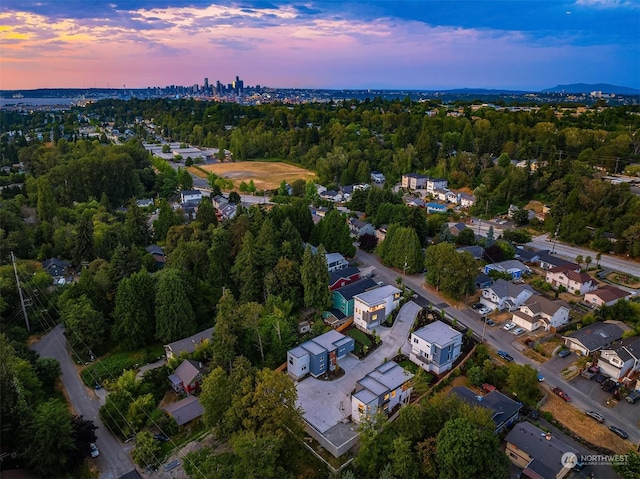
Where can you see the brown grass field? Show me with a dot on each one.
(265, 175)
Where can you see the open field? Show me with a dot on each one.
(265, 175)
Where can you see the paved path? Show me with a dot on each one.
(326, 403)
(114, 460)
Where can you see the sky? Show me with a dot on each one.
(351, 44)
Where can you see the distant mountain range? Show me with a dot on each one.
(588, 88)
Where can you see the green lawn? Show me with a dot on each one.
(360, 337)
(113, 365)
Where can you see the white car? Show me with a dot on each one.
(484, 310)
(509, 326)
(518, 331)
(95, 452)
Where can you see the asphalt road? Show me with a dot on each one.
(113, 461)
(503, 340)
(571, 252)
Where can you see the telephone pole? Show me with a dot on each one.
(24, 308)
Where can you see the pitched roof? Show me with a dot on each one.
(607, 293)
(185, 410)
(188, 345)
(384, 378)
(540, 304)
(628, 348)
(438, 333)
(554, 260)
(55, 266)
(507, 289)
(546, 451)
(569, 272)
(597, 335)
(501, 406)
(355, 288)
(335, 276)
(154, 249)
(187, 371)
(509, 264)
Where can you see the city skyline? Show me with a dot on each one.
(519, 45)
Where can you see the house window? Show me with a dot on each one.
(415, 340)
(290, 360)
(393, 393)
(361, 408)
(304, 368)
(386, 397)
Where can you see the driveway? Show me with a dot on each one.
(326, 403)
(114, 460)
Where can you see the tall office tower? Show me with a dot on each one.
(238, 86)
(206, 85)
(218, 87)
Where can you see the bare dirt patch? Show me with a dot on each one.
(582, 425)
(265, 175)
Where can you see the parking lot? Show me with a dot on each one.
(623, 408)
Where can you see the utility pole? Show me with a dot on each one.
(617, 160)
(24, 308)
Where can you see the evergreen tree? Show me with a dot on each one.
(333, 233)
(246, 270)
(134, 312)
(206, 213)
(174, 315)
(85, 327)
(136, 229)
(83, 240)
(225, 336)
(166, 219)
(315, 279)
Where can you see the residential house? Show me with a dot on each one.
(476, 251)
(158, 255)
(190, 196)
(360, 228)
(185, 410)
(343, 277)
(415, 202)
(383, 389)
(414, 181)
(504, 410)
(589, 339)
(606, 295)
(540, 454)
(483, 281)
(467, 200)
(219, 202)
(538, 311)
(372, 307)
(440, 194)
(530, 256)
(188, 345)
(187, 377)
(511, 266)
(548, 261)
(58, 269)
(436, 208)
(331, 195)
(144, 203)
(435, 183)
(457, 228)
(228, 211)
(342, 301)
(576, 282)
(377, 177)
(318, 355)
(506, 295)
(435, 347)
(381, 232)
(346, 192)
(335, 261)
(451, 197)
(621, 358)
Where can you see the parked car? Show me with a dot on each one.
(633, 396)
(509, 326)
(505, 355)
(484, 310)
(161, 437)
(477, 305)
(587, 374)
(488, 387)
(619, 432)
(599, 378)
(95, 452)
(564, 353)
(609, 385)
(518, 331)
(561, 393)
(491, 322)
(595, 415)
(540, 377)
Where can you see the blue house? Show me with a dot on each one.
(318, 355)
(436, 208)
(342, 300)
(511, 266)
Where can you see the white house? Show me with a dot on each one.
(506, 295)
(451, 197)
(193, 196)
(414, 181)
(383, 389)
(377, 177)
(467, 200)
(433, 183)
(435, 347)
(335, 261)
(576, 282)
(372, 307)
(538, 311)
(621, 358)
(606, 295)
(440, 194)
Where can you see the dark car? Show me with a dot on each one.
(564, 353)
(619, 432)
(599, 378)
(477, 305)
(633, 397)
(609, 385)
(505, 355)
(161, 437)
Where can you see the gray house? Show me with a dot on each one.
(435, 347)
(589, 339)
(504, 410)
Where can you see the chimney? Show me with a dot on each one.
(200, 365)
